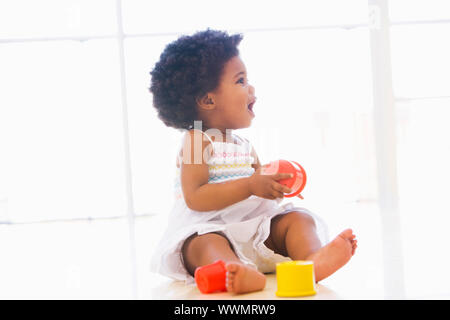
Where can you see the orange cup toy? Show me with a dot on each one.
(296, 183)
(212, 277)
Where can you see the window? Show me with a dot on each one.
(66, 151)
(81, 145)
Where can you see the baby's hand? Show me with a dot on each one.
(266, 185)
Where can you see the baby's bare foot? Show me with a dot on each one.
(334, 255)
(242, 279)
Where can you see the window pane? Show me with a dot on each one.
(324, 70)
(420, 63)
(186, 16)
(401, 10)
(68, 260)
(65, 144)
(153, 145)
(423, 175)
(50, 18)
(314, 103)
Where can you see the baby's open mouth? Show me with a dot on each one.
(250, 108)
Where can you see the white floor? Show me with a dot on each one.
(92, 260)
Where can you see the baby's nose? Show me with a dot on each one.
(251, 89)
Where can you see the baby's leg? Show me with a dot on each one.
(294, 235)
(207, 248)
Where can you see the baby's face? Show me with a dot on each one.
(234, 97)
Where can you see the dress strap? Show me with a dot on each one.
(244, 142)
(210, 140)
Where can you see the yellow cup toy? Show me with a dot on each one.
(295, 279)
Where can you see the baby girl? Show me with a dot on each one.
(226, 207)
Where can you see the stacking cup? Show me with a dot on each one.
(212, 277)
(295, 278)
(296, 183)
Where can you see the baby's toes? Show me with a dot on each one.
(229, 282)
(231, 274)
(354, 246)
(347, 234)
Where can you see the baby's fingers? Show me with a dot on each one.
(280, 176)
(277, 194)
(280, 188)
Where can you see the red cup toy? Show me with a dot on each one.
(212, 277)
(296, 183)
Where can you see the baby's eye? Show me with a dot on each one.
(241, 80)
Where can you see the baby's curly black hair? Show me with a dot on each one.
(187, 69)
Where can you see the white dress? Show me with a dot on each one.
(246, 224)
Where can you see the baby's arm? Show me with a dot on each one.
(203, 196)
(198, 193)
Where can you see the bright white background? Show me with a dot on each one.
(86, 167)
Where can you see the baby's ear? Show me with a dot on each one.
(206, 102)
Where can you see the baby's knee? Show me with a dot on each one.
(300, 217)
(198, 248)
(201, 243)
